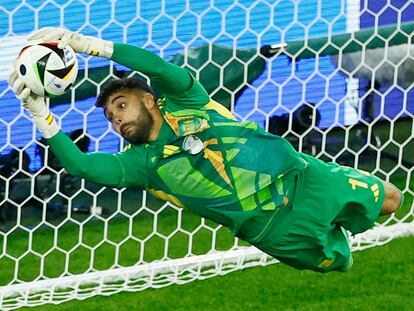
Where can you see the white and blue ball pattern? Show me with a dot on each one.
(46, 69)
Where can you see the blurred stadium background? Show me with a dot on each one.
(55, 226)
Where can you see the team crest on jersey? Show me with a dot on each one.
(192, 144)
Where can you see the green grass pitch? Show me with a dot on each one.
(381, 279)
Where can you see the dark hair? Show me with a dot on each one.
(121, 84)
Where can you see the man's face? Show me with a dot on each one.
(126, 111)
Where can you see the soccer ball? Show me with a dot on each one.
(46, 69)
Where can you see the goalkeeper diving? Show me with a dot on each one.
(187, 149)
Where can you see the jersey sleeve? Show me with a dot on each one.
(176, 84)
(135, 171)
(99, 167)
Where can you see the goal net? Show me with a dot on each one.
(333, 77)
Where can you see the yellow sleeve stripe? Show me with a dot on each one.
(220, 109)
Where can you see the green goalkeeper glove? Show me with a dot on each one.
(36, 105)
(79, 43)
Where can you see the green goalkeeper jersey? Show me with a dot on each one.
(233, 173)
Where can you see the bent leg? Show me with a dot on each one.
(393, 198)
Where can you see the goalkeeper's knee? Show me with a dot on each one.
(393, 199)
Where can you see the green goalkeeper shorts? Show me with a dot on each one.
(309, 233)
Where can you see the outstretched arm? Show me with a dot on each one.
(98, 167)
(171, 80)
(102, 168)
(168, 78)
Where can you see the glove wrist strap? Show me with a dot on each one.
(99, 47)
(46, 124)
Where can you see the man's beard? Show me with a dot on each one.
(138, 132)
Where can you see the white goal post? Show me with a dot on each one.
(315, 72)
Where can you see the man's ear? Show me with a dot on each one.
(149, 101)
